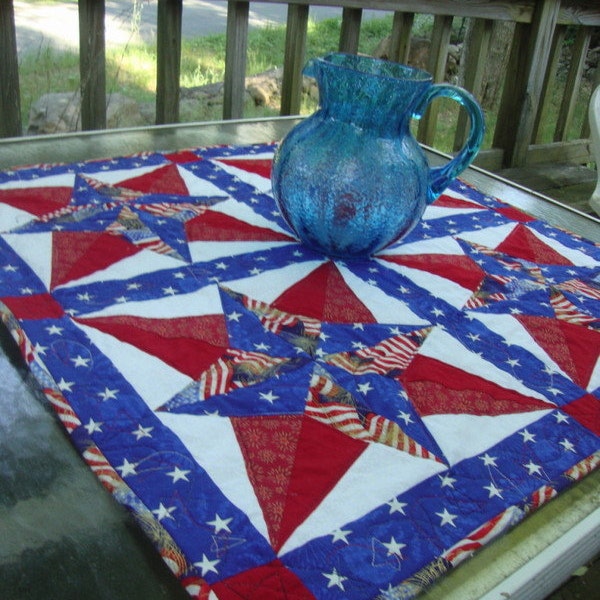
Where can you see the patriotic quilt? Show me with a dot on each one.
(284, 425)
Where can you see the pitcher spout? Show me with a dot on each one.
(367, 91)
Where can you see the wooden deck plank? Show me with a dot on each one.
(570, 184)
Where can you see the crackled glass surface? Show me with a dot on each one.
(351, 179)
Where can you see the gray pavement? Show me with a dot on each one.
(56, 24)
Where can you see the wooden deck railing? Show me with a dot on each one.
(537, 41)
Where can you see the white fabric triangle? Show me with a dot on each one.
(442, 346)
(155, 381)
(594, 382)
(117, 176)
(36, 250)
(262, 184)
(454, 194)
(199, 187)
(575, 256)
(60, 180)
(141, 263)
(207, 251)
(440, 245)
(489, 237)
(439, 212)
(212, 442)
(515, 334)
(384, 308)
(12, 217)
(439, 286)
(462, 436)
(269, 285)
(205, 301)
(243, 212)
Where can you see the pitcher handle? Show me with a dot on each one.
(440, 177)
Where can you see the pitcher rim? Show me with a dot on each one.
(423, 76)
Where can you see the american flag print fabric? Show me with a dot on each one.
(284, 425)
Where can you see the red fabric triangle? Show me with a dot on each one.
(576, 349)
(324, 295)
(188, 344)
(460, 269)
(36, 306)
(451, 202)
(521, 243)
(218, 227)
(259, 166)
(515, 214)
(273, 581)
(38, 200)
(268, 444)
(182, 157)
(164, 180)
(323, 457)
(79, 253)
(587, 411)
(435, 387)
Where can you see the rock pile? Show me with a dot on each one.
(61, 112)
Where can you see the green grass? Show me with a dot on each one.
(131, 70)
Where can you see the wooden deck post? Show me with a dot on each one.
(572, 90)
(295, 51)
(476, 62)
(549, 82)
(92, 64)
(400, 38)
(10, 103)
(528, 61)
(235, 59)
(350, 30)
(168, 60)
(438, 56)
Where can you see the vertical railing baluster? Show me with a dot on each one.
(10, 97)
(572, 85)
(400, 38)
(549, 84)
(168, 60)
(350, 31)
(475, 65)
(235, 59)
(92, 64)
(295, 50)
(509, 102)
(527, 66)
(438, 56)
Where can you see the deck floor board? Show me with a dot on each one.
(570, 184)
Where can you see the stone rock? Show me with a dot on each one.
(55, 113)
(265, 88)
(122, 111)
(61, 112)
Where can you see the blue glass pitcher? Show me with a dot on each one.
(351, 179)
